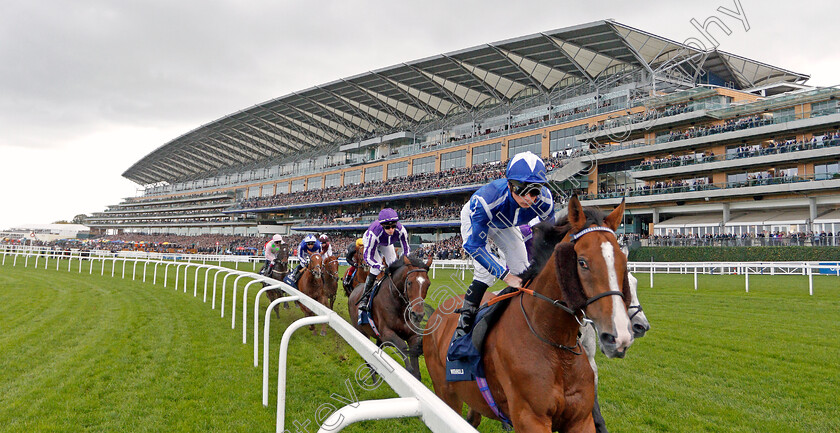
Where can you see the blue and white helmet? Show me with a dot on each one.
(526, 167)
(310, 238)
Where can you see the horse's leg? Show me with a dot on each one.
(392, 339)
(527, 421)
(600, 425)
(474, 418)
(415, 349)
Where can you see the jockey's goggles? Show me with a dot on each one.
(533, 189)
(310, 244)
(389, 225)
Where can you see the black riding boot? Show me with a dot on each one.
(363, 303)
(297, 273)
(471, 302)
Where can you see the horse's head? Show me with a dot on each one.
(314, 265)
(415, 287)
(283, 256)
(592, 273)
(331, 265)
(359, 257)
(638, 320)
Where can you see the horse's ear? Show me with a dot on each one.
(576, 217)
(428, 262)
(613, 220)
(406, 260)
(565, 259)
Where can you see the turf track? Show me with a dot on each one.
(83, 352)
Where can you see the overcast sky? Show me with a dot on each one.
(87, 88)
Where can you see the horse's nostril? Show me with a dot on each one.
(639, 330)
(607, 338)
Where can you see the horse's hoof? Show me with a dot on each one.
(323, 333)
(286, 306)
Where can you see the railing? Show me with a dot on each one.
(737, 268)
(755, 241)
(704, 187)
(415, 399)
(749, 153)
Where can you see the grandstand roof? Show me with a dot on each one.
(402, 97)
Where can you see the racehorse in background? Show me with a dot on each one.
(330, 276)
(361, 274)
(279, 272)
(311, 283)
(532, 361)
(397, 309)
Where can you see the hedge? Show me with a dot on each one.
(735, 254)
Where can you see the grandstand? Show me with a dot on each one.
(698, 142)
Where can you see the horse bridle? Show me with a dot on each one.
(402, 295)
(562, 305)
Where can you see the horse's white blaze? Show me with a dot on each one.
(621, 322)
(421, 281)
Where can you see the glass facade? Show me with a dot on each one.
(398, 169)
(487, 153)
(298, 185)
(457, 159)
(373, 174)
(564, 139)
(352, 177)
(530, 143)
(423, 165)
(316, 182)
(331, 180)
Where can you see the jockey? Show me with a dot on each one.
(309, 245)
(349, 256)
(496, 211)
(272, 247)
(379, 241)
(326, 248)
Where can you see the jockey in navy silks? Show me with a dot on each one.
(379, 241)
(496, 211)
(309, 245)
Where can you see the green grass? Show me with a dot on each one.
(95, 353)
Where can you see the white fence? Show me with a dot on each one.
(415, 399)
(746, 269)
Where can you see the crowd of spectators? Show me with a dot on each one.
(745, 240)
(727, 126)
(477, 174)
(447, 249)
(641, 117)
(428, 213)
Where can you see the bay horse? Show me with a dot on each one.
(330, 276)
(397, 309)
(311, 283)
(362, 271)
(279, 272)
(532, 354)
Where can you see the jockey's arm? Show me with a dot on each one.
(476, 243)
(371, 244)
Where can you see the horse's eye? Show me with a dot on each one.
(582, 263)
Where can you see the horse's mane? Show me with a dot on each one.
(548, 235)
(415, 260)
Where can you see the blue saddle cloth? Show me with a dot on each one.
(290, 280)
(463, 359)
(364, 316)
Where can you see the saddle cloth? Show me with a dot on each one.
(463, 358)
